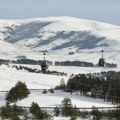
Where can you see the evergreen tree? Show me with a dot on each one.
(6, 111)
(96, 114)
(11, 113)
(18, 92)
(62, 84)
(66, 107)
(38, 113)
(56, 111)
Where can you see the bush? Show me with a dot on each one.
(18, 92)
(51, 90)
(44, 91)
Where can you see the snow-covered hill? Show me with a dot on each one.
(10, 76)
(9, 51)
(58, 33)
(63, 35)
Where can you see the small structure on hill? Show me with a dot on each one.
(101, 61)
(44, 65)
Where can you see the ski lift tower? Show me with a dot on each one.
(44, 65)
(101, 61)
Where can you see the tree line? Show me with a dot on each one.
(65, 109)
(106, 88)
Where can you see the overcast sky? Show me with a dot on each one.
(100, 10)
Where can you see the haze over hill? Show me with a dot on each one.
(63, 34)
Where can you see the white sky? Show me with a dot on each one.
(100, 10)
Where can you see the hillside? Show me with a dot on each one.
(9, 51)
(60, 35)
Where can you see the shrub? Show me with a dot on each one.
(51, 90)
(44, 91)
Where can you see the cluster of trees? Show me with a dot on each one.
(105, 114)
(50, 90)
(108, 88)
(38, 113)
(18, 92)
(26, 68)
(75, 63)
(38, 71)
(11, 113)
(62, 85)
(17, 113)
(65, 109)
(3, 61)
(24, 61)
(68, 110)
(82, 64)
(111, 65)
(31, 61)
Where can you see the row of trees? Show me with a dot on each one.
(108, 88)
(74, 63)
(34, 70)
(24, 60)
(17, 113)
(66, 109)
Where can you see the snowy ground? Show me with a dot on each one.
(74, 69)
(54, 99)
(10, 76)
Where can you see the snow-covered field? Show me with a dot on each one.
(54, 99)
(74, 69)
(30, 33)
(10, 76)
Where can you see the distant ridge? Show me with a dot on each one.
(61, 34)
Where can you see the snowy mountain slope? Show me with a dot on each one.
(8, 50)
(60, 35)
